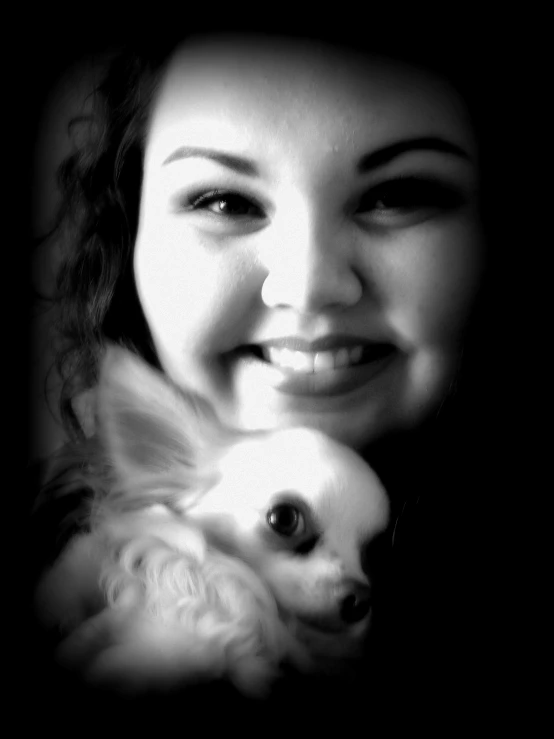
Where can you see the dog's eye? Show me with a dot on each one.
(286, 520)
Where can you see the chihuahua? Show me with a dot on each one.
(212, 553)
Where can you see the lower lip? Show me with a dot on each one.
(324, 384)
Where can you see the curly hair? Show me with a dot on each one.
(96, 228)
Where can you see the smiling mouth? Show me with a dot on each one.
(322, 361)
(319, 362)
(324, 368)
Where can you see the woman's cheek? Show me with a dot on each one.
(194, 295)
(173, 284)
(436, 283)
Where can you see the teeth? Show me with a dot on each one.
(342, 358)
(324, 361)
(309, 362)
(301, 362)
(356, 354)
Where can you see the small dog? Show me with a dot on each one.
(212, 553)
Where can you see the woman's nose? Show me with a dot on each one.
(311, 273)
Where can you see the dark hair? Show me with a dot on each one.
(101, 182)
(96, 226)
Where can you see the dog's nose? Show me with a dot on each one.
(356, 604)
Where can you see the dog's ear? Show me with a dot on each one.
(151, 430)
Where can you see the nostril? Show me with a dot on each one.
(355, 607)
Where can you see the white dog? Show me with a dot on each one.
(212, 553)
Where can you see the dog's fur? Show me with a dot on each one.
(212, 553)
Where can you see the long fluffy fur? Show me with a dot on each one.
(147, 599)
(144, 601)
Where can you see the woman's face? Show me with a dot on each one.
(309, 245)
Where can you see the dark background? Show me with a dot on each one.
(515, 61)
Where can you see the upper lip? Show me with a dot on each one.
(329, 342)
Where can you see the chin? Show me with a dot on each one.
(350, 421)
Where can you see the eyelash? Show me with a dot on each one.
(409, 194)
(202, 201)
(398, 197)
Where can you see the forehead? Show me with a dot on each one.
(329, 477)
(262, 96)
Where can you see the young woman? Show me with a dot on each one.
(301, 229)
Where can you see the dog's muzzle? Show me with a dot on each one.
(350, 607)
(356, 605)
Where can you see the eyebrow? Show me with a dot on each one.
(242, 165)
(370, 161)
(427, 143)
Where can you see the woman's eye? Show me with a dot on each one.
(225, 204)
(286, 520)
(408, 195)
